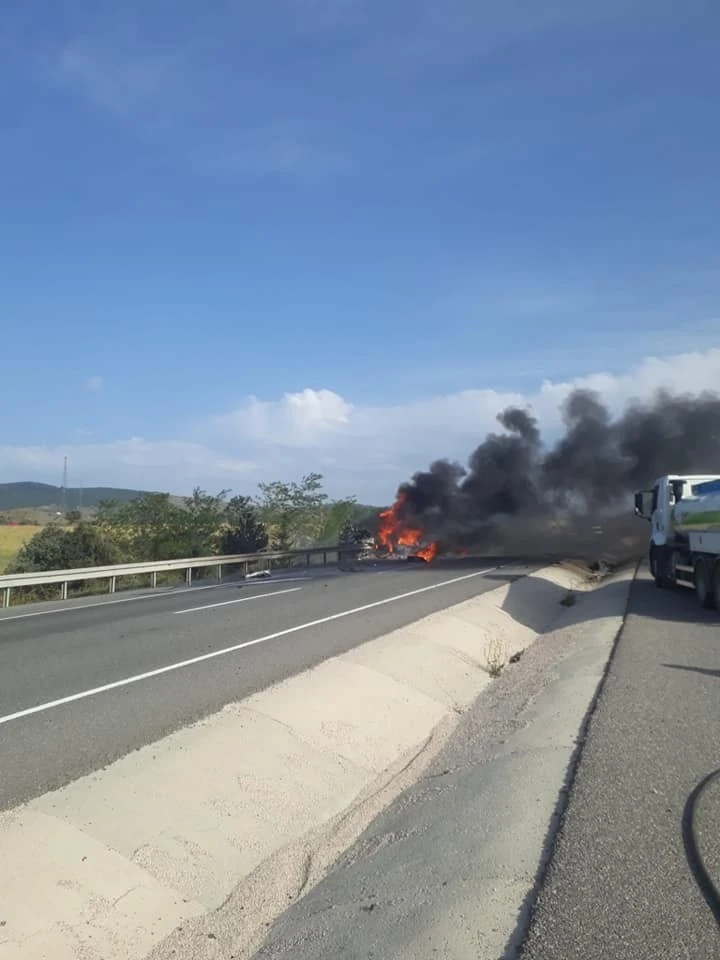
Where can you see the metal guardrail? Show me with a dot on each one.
(188, 564)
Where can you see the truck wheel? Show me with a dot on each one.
(715, 592)
(704, 589)
(657, 566)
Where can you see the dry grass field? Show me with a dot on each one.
(11, 539)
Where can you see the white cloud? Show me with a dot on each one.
(306, 419)
(95, 382)
(120, 80)
(360, 447)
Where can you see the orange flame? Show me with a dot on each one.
(393, 533)
(428, 553)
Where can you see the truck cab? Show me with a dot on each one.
(680, 553)
(657, 505)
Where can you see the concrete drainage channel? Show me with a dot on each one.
(192, 846)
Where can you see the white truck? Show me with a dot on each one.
(684, 514)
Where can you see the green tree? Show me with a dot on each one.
(114, 520)
(205, 516)
(282, 539)
(244, 531)
(159, 527)
(151, 527)
(337, 515)
(86, 546)
(107, 508)
(73, 516)
(295, 512)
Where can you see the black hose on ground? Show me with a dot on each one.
(708, 885)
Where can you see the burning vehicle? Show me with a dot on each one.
(396, 539)
(518, 496)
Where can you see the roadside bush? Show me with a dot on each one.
(57, 548)
(244, 531)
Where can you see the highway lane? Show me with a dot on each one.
(82, 687)
(622, 882)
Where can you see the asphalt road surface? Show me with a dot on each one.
(85, 682)
(623, 881)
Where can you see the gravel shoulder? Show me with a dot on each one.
(451, 867)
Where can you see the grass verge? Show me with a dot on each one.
(495, 657)
(11, 539)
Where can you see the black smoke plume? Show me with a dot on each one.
(514, 490)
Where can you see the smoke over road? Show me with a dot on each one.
(514, 490)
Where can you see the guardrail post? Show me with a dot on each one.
(246, 568)
(219, 572)
(6, 597)
(324, 558)
(112, 584)
(63, 590)
(188, 576)
(153, 579)
(307, 559)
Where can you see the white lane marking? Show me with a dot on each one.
(126, 681)
(156, 596)
(225, 603)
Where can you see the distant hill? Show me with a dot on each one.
(18, 495)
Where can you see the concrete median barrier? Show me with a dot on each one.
(244, 810)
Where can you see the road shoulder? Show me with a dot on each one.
(624, 881)
(451, 867)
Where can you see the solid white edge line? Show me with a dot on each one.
(174, 592)
(125, 682)
(225, 603)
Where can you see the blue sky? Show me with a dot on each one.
(342, 208)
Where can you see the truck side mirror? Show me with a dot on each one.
(640, 505)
